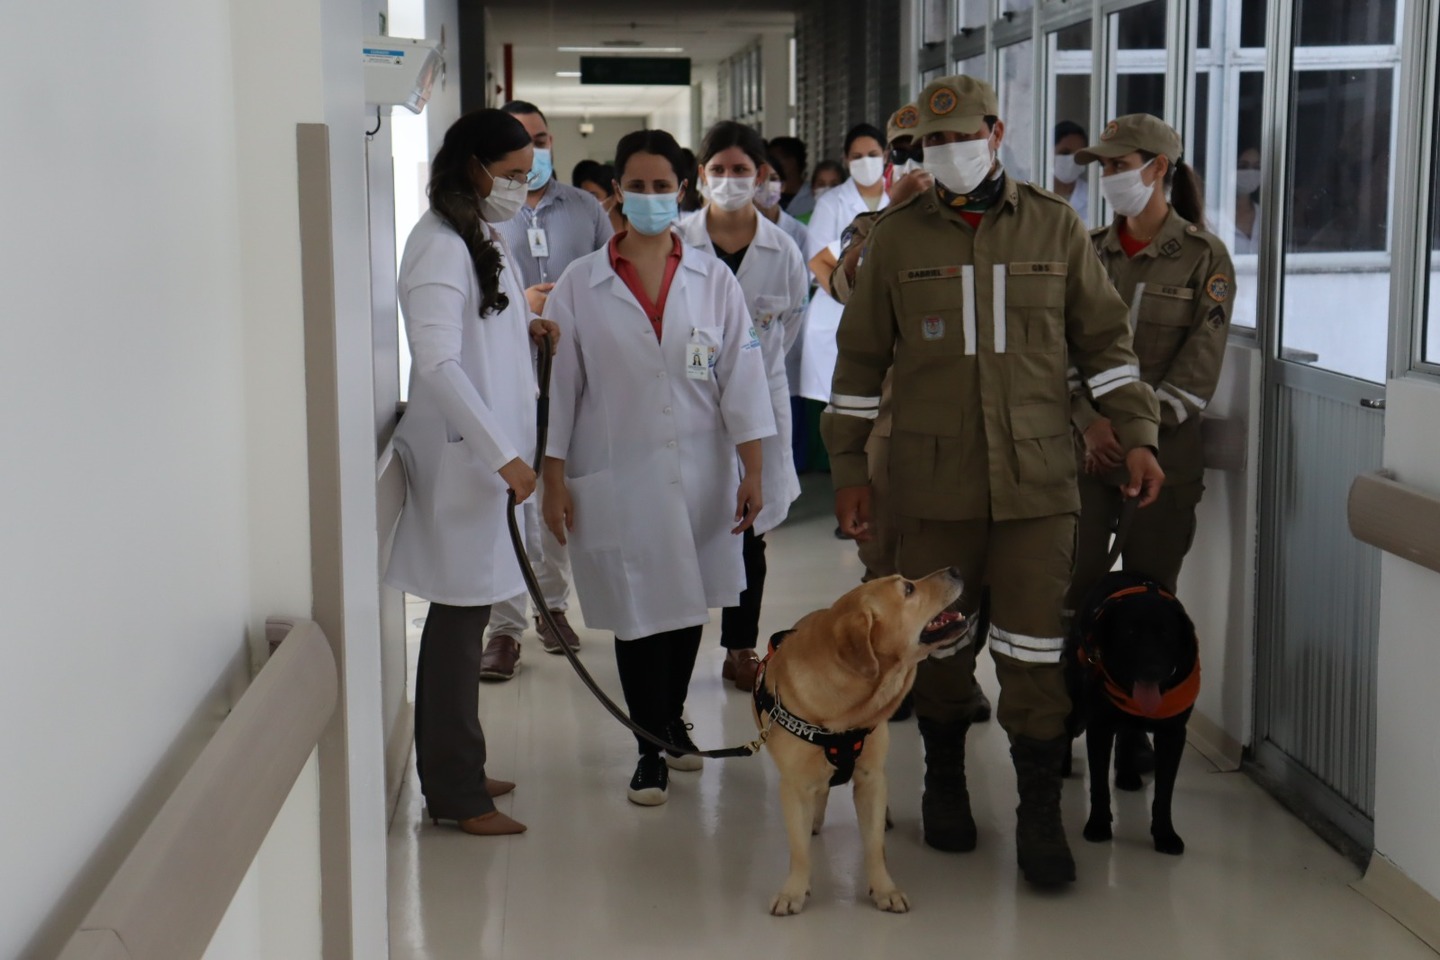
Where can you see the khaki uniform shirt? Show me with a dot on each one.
(1181, 292)
(980, 327)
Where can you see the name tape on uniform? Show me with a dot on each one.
(1052, 269)
(1176, 293)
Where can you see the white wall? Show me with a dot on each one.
(1407, 766)
(125, 576)
(570, 148)
(674, 116)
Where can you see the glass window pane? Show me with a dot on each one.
(972, 67)
(1252, 23)
(1015, 6)
(933, 26)
(1138, 39)
(1067, 73)
(1430, 345)
(1337, 270)
(974, 14)
(935, 73)
(1231, 175)
(1346, 23)
(1017, 100)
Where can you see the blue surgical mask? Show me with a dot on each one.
(651, 213)
(541, 170)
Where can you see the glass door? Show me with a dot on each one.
(1069, 62)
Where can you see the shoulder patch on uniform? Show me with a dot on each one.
(1170, 248)
(1216, 317)
(930, 273)
(1218, 287)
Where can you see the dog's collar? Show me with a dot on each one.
(1174, 701)
(841, 748)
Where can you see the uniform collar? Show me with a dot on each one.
(1165, 243)
(1009, 197)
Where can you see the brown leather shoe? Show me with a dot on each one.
(498, 788)
(492, 824)
(741, 668)
(501, 659)
(549, 641)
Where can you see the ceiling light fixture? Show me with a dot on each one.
(567, 73)
(621, 49)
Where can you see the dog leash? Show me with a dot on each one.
(1123, 524)
(532, 584)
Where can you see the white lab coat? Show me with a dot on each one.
(833, 213)
(471, 411)
(650, 452)
(775, 282)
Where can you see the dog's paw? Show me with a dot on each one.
(1098, 831)
(891, 901)
(1129, 781)
(787, 904)
(1168, 841)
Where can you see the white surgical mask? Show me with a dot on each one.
(961, 166)
(1247, 182)
(867, 171)
(731, 193)
(505, 200)
(1127, 192)
(819, 192)
(1067, 170)
(768, 196)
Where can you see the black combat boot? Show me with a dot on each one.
(945, 807)
(1040, 845)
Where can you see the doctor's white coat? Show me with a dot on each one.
(471, 411)
(650, 451)
(775, 282)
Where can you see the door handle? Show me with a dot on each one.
(1373, 403)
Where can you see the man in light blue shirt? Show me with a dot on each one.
(558, 224)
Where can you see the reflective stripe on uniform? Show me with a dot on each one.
(1072, 378)
(866, 408)
(1114, 378)
(1135, 305)
(1189, 398)
(998, 306)
(1018, 646)
(967, 277)
(1181, 413)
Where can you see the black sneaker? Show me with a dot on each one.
(678, 732)
(651, 781)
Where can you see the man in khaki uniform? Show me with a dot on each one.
(979, 293)
(1179, 285)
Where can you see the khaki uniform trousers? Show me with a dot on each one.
(1028, 565)
(878, 553)
(1159, 538)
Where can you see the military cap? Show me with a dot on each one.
(902, 123)
(1132, 132)
(956, 105)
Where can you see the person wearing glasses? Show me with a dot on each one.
(653, 470)
(467, 437)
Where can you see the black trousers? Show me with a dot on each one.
(655, 675)
(449, 743)
(740, 626)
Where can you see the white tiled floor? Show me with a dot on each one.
(597, 877)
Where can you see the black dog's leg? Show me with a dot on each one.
(1098, 740)
(1169, 745)
(1127, 769)
(1068, 767)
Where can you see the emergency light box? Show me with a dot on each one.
(400, 72)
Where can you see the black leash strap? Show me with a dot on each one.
(532, 584)
(1122, 529)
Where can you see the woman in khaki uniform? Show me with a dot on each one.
(1180, 286)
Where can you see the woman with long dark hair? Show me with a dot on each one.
(467, 438)
(653, 467)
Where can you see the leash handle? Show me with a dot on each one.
(532, 585)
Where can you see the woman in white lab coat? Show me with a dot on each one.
(864, 191)
(466, 438)
(661, 385)
(772, 273)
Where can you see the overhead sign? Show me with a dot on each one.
(637, 71)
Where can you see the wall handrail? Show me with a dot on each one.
(170, 894)
(1396, 517)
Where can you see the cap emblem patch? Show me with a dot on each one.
(943, 101)
(1111, 129)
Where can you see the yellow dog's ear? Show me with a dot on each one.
(852, 642)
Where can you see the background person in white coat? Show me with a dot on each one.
(466, 438)
(661, 385)
(865, 190)
(772, 273)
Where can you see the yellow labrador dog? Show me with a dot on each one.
(825, 694)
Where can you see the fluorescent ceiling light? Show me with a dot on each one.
(567, 73)
(621, 49)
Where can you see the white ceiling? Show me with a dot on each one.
(707, 34)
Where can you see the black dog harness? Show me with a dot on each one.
(841, 749)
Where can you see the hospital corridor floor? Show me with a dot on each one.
(598, 877)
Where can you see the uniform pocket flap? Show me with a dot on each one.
(1036, 420)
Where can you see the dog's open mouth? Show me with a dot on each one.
(946, 628)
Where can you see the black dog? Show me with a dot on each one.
(1132, 664)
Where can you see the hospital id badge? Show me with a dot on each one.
(698, 357)
(539, 243)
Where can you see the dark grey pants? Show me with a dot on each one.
(449, 743)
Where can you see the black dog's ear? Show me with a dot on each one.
(853, 643)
